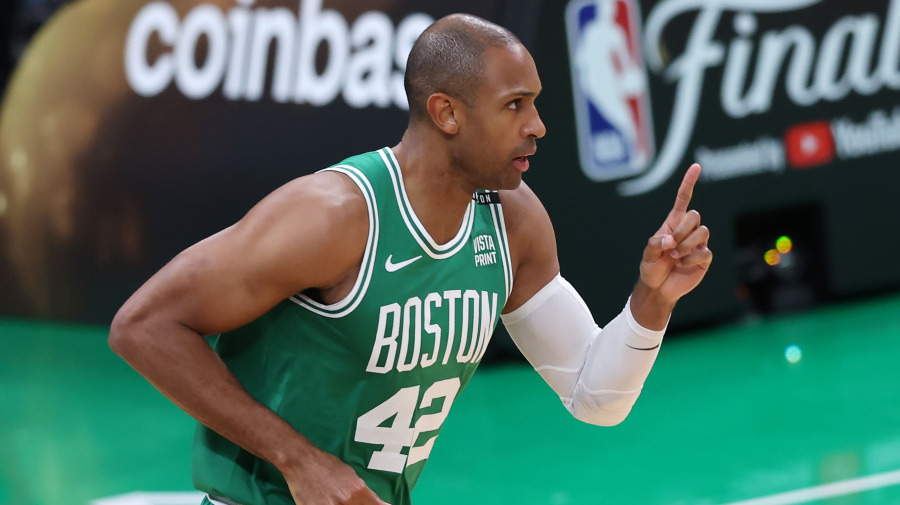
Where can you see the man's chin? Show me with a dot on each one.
(513, 183)
(507, 185)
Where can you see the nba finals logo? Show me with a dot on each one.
(612, 104)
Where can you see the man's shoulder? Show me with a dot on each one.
(319, 219)
(328, 198)
(327, 190)
(521, 206)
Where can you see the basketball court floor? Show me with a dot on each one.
(733, 415)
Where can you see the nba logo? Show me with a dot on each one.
(612, 104)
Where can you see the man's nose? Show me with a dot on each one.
(535, 128)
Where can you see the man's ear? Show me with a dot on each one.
(443, 110)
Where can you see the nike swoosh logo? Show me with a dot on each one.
(393, 267)
(644, 348)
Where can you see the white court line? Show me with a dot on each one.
(827, 490)
(142, 498)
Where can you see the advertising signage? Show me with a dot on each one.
(790, 106)
(130, 130)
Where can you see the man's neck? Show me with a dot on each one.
(434, 188)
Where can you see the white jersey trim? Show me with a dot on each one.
(505, 256)
(352, 300)
(217, 502)
(418, 231)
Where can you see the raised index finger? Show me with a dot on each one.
(686, 190)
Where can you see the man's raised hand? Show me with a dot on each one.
(677, 256)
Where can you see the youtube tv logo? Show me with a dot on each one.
(809, 144)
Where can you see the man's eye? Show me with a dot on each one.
(514, 104)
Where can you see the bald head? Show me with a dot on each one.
(449, 58)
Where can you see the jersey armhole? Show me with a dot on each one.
(351, 301)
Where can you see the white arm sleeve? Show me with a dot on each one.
(598, 374)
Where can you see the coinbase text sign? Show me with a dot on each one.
(365, 64)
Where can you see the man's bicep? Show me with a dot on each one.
(216, 285)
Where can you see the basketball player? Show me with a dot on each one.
(353, 305)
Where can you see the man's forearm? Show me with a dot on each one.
(649, 309)
(598, 374)
(181, 365)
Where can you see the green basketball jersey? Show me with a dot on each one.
(370, 379)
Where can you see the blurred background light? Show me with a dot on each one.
(793, 354)
(772, 257)
(784, 244)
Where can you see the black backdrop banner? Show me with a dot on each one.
(791, 107)
(132, 129)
